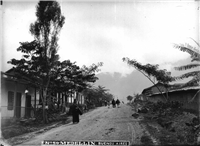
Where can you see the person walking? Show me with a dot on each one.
(75, 112)
(117, 102)
(109, 104)
(113, 103)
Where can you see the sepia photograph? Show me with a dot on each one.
(99, 72)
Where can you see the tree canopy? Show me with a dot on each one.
(152, 72)
(149, 70)
(97, 95)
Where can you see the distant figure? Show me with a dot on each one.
(75, 112)
(117, 102)
(63, 107)
(113, 103)
(108, 104)
(105, 103)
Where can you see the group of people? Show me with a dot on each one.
(75, 111)
(115, 103)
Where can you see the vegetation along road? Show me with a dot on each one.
(103, 123)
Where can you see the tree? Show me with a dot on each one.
(68, 78)
(97, 95)
(88, 74)
(40, 56)
(101, 94)
(129, 98)
(195, 56)
(137, 96)
(152, 72)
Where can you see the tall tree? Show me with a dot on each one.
(41, 56)
(152, 72)
(195, 56)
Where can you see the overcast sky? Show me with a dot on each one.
(106, 31)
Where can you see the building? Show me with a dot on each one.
(18, 97)
(188, 96)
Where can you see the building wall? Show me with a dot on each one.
(183, 97)
(155, 89)
(156, 98)
(9, 85)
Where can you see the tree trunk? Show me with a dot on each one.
(58, 103)
(154, 84)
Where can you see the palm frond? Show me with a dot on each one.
(193, 51)
(195, 56)
(195, 59)
(195, 42)
(185, 67)
(193, 81)
(187, 75)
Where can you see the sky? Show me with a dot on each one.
(106, 31)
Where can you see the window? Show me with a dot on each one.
(10, 100)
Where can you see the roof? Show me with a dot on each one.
(10, 71)
(181, 89)
(157, 84)
(171, 88)
(154, 89)
(15, 76)
(186, 88)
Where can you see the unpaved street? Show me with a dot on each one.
(100, 124)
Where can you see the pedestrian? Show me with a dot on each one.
(105, 103)
(108, 104)
(113, 103)
(117, 102)
(75, 112)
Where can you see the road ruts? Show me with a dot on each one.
(103, 123)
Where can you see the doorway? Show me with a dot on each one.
(28, 106)
(18, 105)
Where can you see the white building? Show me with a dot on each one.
(17, 96)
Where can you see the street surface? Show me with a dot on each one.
(103, 123)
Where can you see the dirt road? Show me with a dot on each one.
(103, 123)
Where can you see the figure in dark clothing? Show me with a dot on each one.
(117, 102)
(113, 103)
(105, 103)
(75, 112)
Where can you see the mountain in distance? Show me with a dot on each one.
(135, 82)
